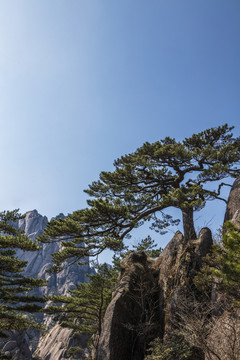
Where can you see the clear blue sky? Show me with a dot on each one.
(83, 82)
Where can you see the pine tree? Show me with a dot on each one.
(222, 265)
(149, 246)
(83, 310)
(14, 287)
(167, 173)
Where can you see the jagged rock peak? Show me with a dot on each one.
(38, 262)
(33, 224)
(59, 216)
(233, 205)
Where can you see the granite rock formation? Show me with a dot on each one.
(56, 343)
(156, 286)
(144, 304)
(176, 268)
(19, 346)
(125, 327)
(40, 261)
(225, 336)
(233, 205)
(178, 264)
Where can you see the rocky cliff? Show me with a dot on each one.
(233, 205)
(21, 345)
(40, 261)
(225, 336)
(56, 343)
(144, 303)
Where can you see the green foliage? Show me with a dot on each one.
(176, 347)
(149, 247)
(74, 350)
(84, 309)
(14, 301)
(222, 266)
(143, 185)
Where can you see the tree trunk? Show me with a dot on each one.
(188, 224)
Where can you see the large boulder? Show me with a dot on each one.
(125, 329)
(178, 265)
(233, 205)
(144, 303)
(224, 339)
(57, 342)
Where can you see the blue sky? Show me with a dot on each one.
(83, 82)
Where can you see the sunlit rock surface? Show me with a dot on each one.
(39, 262)
(21, 345)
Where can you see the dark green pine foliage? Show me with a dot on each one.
(14, 301)
(84, 309)
(222, 265)
(167, 173)
(149, 246)
(176, 347)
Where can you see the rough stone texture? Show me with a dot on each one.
(54, 345)
(233, 205)
(17, 346)
(178, 265)
(38, 263)
(118, 339)
(225, 337)
(171, 273)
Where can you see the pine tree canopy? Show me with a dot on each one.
(167, 173)
(14, 287)
(222, 265)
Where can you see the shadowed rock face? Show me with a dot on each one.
(159, 282)
(134, 303)
(177, 266)
(233, 205)
(147, 289)
(17, 347)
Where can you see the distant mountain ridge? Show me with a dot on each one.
(21, 345)
(40, 261)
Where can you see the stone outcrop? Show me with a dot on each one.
(177, 266)
(56, 343)
(128, 328)
(233, 205)
(39, 262)
(125, 326)
(17, 346)
(144, 305)
(224, 339)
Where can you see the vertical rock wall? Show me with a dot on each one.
(160, 283)
(40, 261)
(21, 345)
